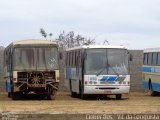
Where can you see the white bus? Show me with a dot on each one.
(97, 69)
(151, 70)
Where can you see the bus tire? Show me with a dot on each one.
(73, 94)
(152, 93)
(83, 96)
(9, 94)
(51, 93)
(118, 96)
(16, 95)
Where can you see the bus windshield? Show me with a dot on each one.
(35, 58)
(106, 61)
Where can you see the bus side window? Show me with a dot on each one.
(66, 58)
(69, 58)
(149, 58)
(145, 58)
(73, 58)
(76, 58)
(154, 58)
(158, 58)
(79, 58)
(8, 60)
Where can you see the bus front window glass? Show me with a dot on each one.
(24, 58)
(117, 61)
(96, 61)
(47, 58)
(106, 61)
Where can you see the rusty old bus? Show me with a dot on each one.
(31, 66)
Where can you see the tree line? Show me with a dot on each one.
(69, 40)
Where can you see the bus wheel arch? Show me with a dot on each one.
(151, 91)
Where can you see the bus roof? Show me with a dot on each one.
(152, 49)
(95, 46)
(33, 41)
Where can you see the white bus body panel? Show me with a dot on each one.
(108, 87)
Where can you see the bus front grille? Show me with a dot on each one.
(108, 88)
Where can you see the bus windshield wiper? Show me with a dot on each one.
(100, 71)
(115, 71)
(108, 66)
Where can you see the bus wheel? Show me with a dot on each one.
(51, 93)
(9, 94)
(152, 93)
(16, 95)
(118, 96)
(83, 96)
(73, 94)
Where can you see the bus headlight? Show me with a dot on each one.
(95, 82)
(57, 78)
(90, 82)
(128, 83)
(124, 82)
(85, 82)
(14, 79)
(120, 82)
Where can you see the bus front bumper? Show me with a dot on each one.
(106, 89)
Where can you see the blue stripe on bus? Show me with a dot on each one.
(108, 78)
(146, 69)
(145, 84)
(155, 86)
(151, 69)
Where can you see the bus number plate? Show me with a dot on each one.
(107, 92)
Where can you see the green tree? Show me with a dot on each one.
(43, 33)
(50, 34)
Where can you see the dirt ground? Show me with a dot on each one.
(64, 103)
(134, 103)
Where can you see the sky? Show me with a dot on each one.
(132, 23)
